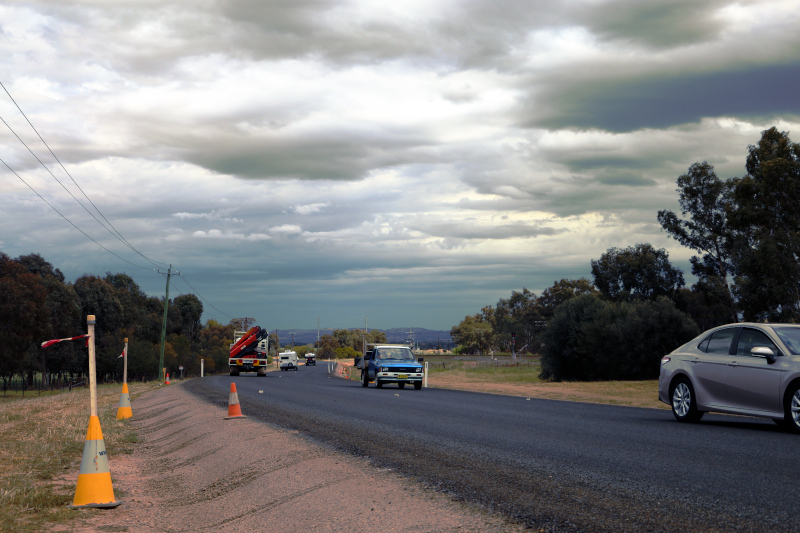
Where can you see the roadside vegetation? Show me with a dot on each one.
(41, 446)
(502, 375)
(746, 231)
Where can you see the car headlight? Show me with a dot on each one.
(384, 369)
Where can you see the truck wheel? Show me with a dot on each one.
(364, 380)
(378, 383)
(417, 385)
(401, 385)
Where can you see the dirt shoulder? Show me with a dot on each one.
(192, 470)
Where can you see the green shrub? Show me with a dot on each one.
(590, 339)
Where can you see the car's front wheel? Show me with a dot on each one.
(684, 403)
(364, 379)
(791, 408)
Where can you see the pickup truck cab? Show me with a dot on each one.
(386, 363)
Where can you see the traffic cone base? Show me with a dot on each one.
(234, 410)
(124, 409)
(94, 487)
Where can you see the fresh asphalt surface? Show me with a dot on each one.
(554, 466)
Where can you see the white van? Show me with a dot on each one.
(288, 361)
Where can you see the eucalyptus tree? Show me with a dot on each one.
(767, 224)
(705, 202)
(639, 272)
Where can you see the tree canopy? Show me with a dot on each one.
(639, 272)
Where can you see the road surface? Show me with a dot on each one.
(551, 465)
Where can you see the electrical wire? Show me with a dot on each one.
(116, 233)
(186, 281)
(68, 220)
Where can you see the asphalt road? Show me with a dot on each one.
(554, 466)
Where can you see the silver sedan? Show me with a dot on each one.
(746, 369)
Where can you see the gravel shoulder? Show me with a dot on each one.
(192, 470)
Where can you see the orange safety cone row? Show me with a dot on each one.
(167, 382)
(234, 411)
(124, 409)
(94, 479)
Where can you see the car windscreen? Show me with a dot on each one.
(402, 354)
(790, 338)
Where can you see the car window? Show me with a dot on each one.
(720, 341)
(703, 346)
(395, 353)
(750, 338)
(790, 337)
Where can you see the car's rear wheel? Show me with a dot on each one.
(364, 380)
(791, 408)
(684, 403)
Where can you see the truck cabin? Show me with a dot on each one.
(396, 353)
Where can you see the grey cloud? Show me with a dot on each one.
(344, 153)
(654, 23)
(613, 176)
(660, 101)
(465, 230)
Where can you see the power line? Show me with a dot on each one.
(68, 220)
(116, 233)
(186, 281)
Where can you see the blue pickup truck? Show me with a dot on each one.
(387, 363)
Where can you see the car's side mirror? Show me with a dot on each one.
(765, 352)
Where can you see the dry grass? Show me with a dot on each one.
(41, 444)
(503, 377)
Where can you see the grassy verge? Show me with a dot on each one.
(502, 376)
(41, 445)
(521, 378)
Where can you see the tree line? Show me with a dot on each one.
(37, 304)
(746, 233)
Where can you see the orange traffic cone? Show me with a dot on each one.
(167, 382)
(124, 409)
(94, 479)
(234, 411)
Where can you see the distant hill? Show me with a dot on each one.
(394, 335)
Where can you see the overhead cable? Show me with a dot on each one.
(116, 233)
(68, 220)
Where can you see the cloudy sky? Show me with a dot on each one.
(410, 161)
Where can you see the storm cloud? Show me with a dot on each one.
(314, 158)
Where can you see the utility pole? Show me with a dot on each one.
(317, 330)
(164, 326)
(366, 329)
(246, 321)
